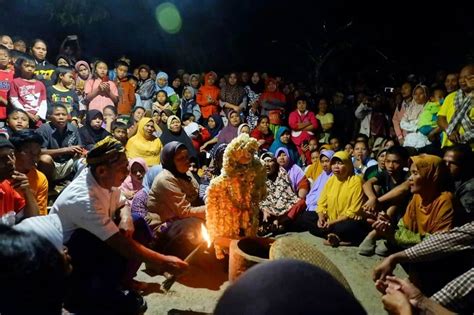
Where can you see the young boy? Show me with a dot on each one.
(189, 105)
(396, 159)
(335, 143)
(119, 132)
(125, 88)
(133, 80)
(62, 92)
(6, 79)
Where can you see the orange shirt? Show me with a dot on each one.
(39, 188)
(126, 97)
(10, 199)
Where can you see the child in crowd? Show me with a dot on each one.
(100, 91)
(83, 74)
(133, 80)
(349, 148)
(110, 115)
(126, 90)
(335, 143)
(161, 101)
(17, 120)
(162, 85)
(187, 119)
(6, 79)
(119, 132)
(133, 182)
(189, 105)
(61, 93)
(137, 114)
(27, 93)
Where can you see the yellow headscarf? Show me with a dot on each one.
(346, 159)
(140, 146)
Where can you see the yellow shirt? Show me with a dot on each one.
(341, 198)
(448, 110)
(39, 188)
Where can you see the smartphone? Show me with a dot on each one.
(72, 37)
(105, 79)
(389, 89)
(305, 142)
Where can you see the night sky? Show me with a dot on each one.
(277, 36)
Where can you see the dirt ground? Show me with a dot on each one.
(199, 289)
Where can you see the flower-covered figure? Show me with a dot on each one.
(234, 196)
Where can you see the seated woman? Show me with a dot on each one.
(313, 196)
(299, 183)
(214, 125)
(144, 144)
(243, 128)
(231, 130)
(133, 183)
(340, 203)
(283, 140)
(361, 157)
(174, 197)
(92, 131)
(175, 132)
(263, 133)
(281, 203)
(136, 115)
(430, 209)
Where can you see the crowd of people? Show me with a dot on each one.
(114, 162)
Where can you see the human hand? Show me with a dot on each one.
(384, 269)
(176, 262)
(454, 137)
(126, 226)
(396, 303)
(20, 180)
(370, 205)
(413, 294)
(322, 222)
(32, 117)
(75, 149)
(383, 226)
(130, 194)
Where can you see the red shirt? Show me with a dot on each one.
(10, 199)
(6, 78)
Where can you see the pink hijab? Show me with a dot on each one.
(130, 183)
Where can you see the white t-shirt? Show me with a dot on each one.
(48, 226)
(84, 204)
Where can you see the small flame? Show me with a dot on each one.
(205, 235)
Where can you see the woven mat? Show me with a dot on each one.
(295, 247)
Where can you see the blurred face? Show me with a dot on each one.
(393, 164)
(187, 94)
(162, 81)
(438, 96)
(245, 129)
(271, 86)
(67, 79)
(314, 157)
(20, 46)
(338, 98)
(101, 69)
(415, 180)
(451, 82)
(389, 144)
(149, 129)
(122, 71)
(181, 161)
(233, 79)
(153, 74)
(283, 159)
(63, 62)
(234, 119)
(137, 171)
(271, 165)
(143, 74)
(339, 169)
(59, 117)
(406, 90)
(323, 106)
(7, 42)
(285, 137)
(313, 144)
(117, 171)
(175, 126)
(361, 151)
(245, 76)
(161, 98)
(211, 80)
(211, 123)
(466, 72)
(96, 123)
(325, 163)
(133, 82)
(83, 72)
(27, 157)
(7, 163)
(156, 117)
(334, 144)
(186, 78)
(195, 82)
(301, 105)
(452, 159)
(381, 160)
(138, 114)
(255, 78)
(164, 117)
(109, 114)
(18, 121)
(4, 59)
(39, 51)
(263, 126)
(120, 134)
(176, 83)
(27, 69)
(420, 96)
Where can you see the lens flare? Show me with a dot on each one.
(168, 17)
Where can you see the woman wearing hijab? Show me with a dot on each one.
(214, 125)
(146, 86)
(231, 130)
(273, 104)
(283, 140)
(175, 132)
(233, 96)
(299, 183)
(145, 144)
(84, 73)
(133, 182)
(262, 133)
(313, 196)
(162, 85)
(174, 196)
(340, 204)
(208, 96)
(243, 128)
(92, 131)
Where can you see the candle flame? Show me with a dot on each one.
(205, 235)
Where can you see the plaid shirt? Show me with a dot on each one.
(459, 293)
